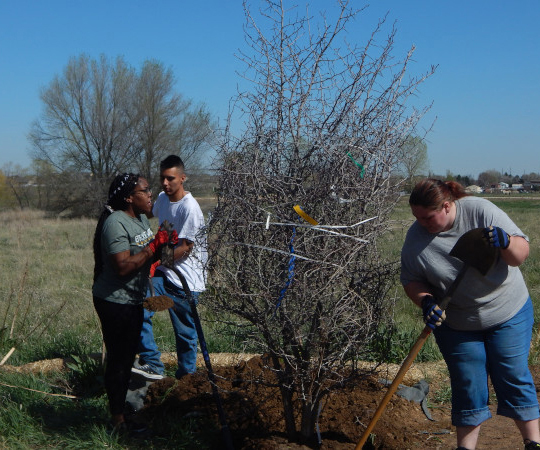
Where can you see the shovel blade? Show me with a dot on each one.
(474, 250)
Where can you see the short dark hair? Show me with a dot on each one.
(171, 161)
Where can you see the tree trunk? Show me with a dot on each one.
(308, 420)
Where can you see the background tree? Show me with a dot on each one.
(102, 117)
(167, 122)
(530, 176)
(489, 178)
(325, 124)
(464, 180)
(18, 186)
(86, 123)
(414, 161)
(8, 196)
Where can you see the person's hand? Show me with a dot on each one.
(153, 267)
(161, 238)
(173, 237)
(497, 237)
(433, 315)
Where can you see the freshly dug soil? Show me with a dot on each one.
(158, 303)
(255, 419)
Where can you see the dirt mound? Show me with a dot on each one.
(254, 411)
(252, 403)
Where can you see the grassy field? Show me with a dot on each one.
(46, 311)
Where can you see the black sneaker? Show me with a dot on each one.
(531, 445)
(146, 371)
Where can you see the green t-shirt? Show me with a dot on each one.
(120, 233)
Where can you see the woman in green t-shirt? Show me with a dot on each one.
(124, 248)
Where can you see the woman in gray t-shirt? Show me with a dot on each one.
(487, 327)
(124, 248)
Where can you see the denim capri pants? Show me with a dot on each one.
(502, 352)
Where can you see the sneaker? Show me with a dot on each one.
(146, 371)
(531, 445)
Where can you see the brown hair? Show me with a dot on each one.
(431, 193)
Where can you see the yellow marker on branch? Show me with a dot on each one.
(304, 216)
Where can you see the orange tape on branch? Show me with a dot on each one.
(304, 216)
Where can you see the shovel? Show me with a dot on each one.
(225, 431)
(474, 251)
(157, 303)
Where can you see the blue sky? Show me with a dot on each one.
(485, 93)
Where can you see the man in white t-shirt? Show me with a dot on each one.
(181, 209)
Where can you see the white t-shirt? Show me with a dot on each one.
(188, 221)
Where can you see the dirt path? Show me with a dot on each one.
(498, 433)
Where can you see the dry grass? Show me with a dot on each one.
(45, 278)
(46, 366)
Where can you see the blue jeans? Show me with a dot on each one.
(184, 330)
(502, 353)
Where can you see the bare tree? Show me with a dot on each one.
(413, 160)
(13, 187)
(86, 123)
(489, 178)
(195, 137)
(102, 117)
(87, 126)
(325, 122)
(168, 123)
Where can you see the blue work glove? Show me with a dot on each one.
(497, 237)
(433, 315)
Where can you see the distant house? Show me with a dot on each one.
(502, 185)
(474, 189)
(531, 185)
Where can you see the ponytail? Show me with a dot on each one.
(431, 193)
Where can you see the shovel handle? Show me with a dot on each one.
(393, 387)
(151, 286)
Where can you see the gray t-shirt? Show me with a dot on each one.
(479, 302)
(120, 233)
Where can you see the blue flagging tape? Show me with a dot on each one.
(290, 274)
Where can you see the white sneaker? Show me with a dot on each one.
(146, 371)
